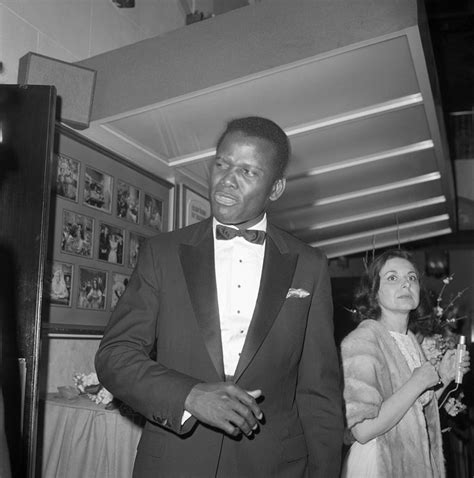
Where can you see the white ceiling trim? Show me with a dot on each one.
(349, 163)
(193, 157)
(392, 105)
(128, 151)
(390, 242)
(130, 141)
(250, 78)
(424, 178)
(434, 115)
(365, 192)
(378, 213)
(384, 230)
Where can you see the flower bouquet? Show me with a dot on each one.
(440, 336)
(454, 405)
(88, 384)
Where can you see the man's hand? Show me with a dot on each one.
(226, 406)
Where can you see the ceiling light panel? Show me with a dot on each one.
(423, 194)
(353, 82)
(375, 222)
(386, 239)
(310, 189)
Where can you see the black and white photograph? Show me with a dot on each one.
(98, 188)
(111, 243)
(119, 284)
(153, 213)
(194, 206)
(77, 234)
(67, 178)
(128, 202)
(135, 242)
(59, 284)
(237, 238)
(92, 287)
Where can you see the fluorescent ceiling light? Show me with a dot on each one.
(392, 105)
(462, 113)
(424, 178)
(384, 230)
(378, 213)
(349, 163)
(381, 244)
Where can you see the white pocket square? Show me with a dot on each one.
(297, 293)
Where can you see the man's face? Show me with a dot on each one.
(243, 179)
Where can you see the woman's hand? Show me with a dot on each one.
(425, 376)
(448, 366)
(395, 407)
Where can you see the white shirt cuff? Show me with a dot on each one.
(186, 416)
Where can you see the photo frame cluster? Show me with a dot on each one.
(104, 219)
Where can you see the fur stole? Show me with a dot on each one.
(374, 368)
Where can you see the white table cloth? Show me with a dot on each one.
(81, 439)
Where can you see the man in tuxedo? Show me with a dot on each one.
(104, 242)
(223, 338)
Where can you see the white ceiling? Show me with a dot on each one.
(369, 164)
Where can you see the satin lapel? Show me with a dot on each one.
(277, 276)
(198, 265)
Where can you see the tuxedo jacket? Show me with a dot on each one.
(164, 337)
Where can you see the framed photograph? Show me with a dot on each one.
(135, 242)
(194, 207)
(153, 213)
(58, 283)
(91, 290)
(98, 188)
(119, 284)
(111, 242)
(128, 202)
(77, 234)
(67, 177)
(105, 208)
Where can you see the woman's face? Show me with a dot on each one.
(399, 289)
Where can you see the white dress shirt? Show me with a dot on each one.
(238, 266)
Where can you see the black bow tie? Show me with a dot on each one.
(252, 235)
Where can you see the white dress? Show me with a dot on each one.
(112, 257)
(361, 460)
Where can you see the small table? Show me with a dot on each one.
(82, 439)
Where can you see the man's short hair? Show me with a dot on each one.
(258, 127)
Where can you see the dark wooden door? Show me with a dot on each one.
(27, 115)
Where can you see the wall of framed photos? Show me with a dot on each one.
(103, 208)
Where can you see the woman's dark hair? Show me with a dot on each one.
(366, 301)
(257, 127)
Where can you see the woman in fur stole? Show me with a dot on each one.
(390, 390)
